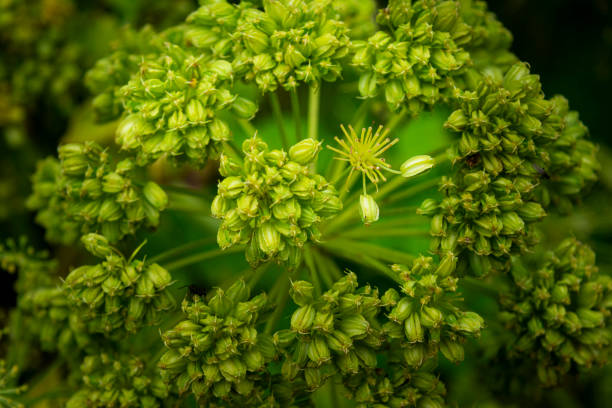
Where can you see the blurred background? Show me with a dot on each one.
(567, 42)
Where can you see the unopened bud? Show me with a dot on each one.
(416, 165)
(368, 209)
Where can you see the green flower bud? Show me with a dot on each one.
(305, 151)
(269, 239)
(318, 352)
(368, 209)
(431, 317)
(354, 325)
(302, 319)
(97, 245)
(159, 276)
(155, 195)
(413, 329)
(244, 108)
(414, 355)
(416, 165)
(367, 85)
(402, 310)
(452, 350)
(301, 292)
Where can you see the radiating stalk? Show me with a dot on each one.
(314, 101)
(297, 117)
(278, 117)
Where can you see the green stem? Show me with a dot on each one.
(182, 248)
(358, 256)
(386, 232)
(193, 259)
(340, 245)
(413, 190)
(314, 271)
(278, 117)
(297, 118)
(351, 211)
(233, 151)
(314, 101)
(182, 190)
(283, 288)
(328, 275)
(248, 128)
(360, 114)
(395, 120)
(256, 275)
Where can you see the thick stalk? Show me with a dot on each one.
(314, 101)
(297, 117)
(278, 117)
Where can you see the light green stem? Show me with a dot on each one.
(329, 275)
(196, 258)
(314, 101)
(375, 251)
(314, 271)
(278, 117)
(248, 127)
(386, 232)
(297, 117)
(283, 288)
(350, 251)
(182, 249)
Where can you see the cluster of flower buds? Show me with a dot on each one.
(51, 207)
(34, 268)
(572, 161)
(108, 74)
(560, 313)
(292, 42)
(94, 194)
(8, 378)
(44, 315)
(118, 294)
(120, 380)
(336, 332)
(395, 388)
(490, 42)
(358, 16)
(286, 43)
(272, 202)
(47, 313)
(415, 57)
(35, 36)
(426, 318)
(490, 203)
(217, 352)
(171, 107)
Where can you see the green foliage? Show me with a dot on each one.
(195, 106)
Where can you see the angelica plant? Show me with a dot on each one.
(257, 225)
